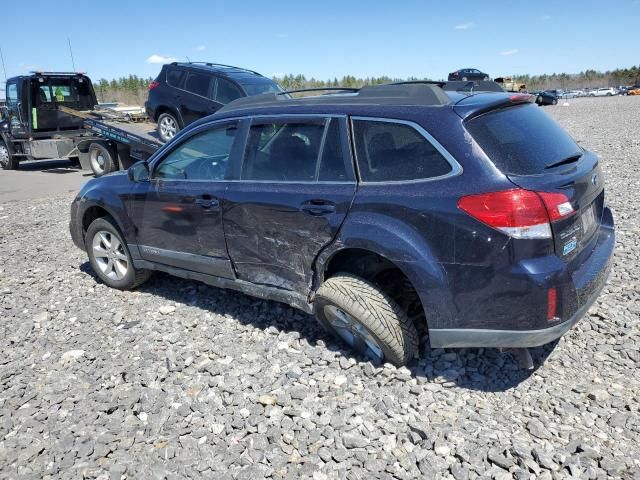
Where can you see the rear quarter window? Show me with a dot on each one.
(521, 140)
(392, 151)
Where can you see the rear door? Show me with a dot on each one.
(296, 184)
(537, 154)
(195, 101)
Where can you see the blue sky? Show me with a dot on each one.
(323, 39)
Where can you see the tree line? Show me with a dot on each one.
(133, 89)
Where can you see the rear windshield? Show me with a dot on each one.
(260, 88)
(522, 140)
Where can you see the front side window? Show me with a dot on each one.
(202, 157)
(227, 91)
(198, 84)
(12, 93)
(389, 151)
(295, 151)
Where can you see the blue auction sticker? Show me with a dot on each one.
(569, 246)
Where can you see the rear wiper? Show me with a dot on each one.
(564, 161)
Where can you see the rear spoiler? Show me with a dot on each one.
(475, 105)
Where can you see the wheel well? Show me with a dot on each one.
(164, 109)
(381, 272)
(91, 214)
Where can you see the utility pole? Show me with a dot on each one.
(3, 67)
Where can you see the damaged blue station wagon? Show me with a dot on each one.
(385, 211)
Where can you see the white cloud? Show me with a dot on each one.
(155, 58)
(200, 48)
(464, 26)
(513, 51)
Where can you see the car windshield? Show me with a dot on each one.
(522, 140)
(257, 88)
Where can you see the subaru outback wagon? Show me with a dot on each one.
(387, 212)
(185, 92)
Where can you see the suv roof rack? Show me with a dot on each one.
(39, 72)
(212, 64)
(420, 94)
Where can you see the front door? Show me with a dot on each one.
(16, 111)
(295, 189)
(178, 212)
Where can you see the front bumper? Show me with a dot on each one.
(75, 228)
(589, 280)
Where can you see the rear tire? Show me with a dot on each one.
(366, 318)
(109, 256)
(7, 161)
(101, 159)
(464, 79)
(555, 101)
(168, 127)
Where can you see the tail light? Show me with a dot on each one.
(153, 85)
(518, 213)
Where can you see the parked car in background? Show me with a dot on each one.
(603, 92)
(352, 208)
(465, 74)
(545, 98)
(185, 92)
(574, 94)
(634, 90)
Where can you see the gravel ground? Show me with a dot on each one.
(178, 379)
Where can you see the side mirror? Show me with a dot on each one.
(139, 172)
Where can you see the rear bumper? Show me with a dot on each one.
(588, 281)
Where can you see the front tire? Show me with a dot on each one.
(101, 160)
(168, 127)
(7, 161)
(109, 256)
(366, 318)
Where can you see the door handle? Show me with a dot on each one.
(207, 203)
(318, 207)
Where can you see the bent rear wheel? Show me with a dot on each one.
(366, 318)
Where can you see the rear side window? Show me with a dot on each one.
(391, 151)
(198, 84)
(522, 140)
(300, 151)
(175, 77)
(227, 91)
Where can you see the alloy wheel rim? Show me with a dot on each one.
(110, 255)
(4, 156)
(168, 127)
(353, 333)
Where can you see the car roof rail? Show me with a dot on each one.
(213, 64)
(472, 86)
(39, 72)
(418, 94)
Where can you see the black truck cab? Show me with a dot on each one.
(34, 127)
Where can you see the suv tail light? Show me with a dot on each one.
(153, 85)
(518, 213)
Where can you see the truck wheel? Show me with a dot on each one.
(7, 161)
(110, 257)
(366, 318)
(168, 127)
(101, 160)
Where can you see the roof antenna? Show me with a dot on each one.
(73, 63)
(3, 67)
(188, 59)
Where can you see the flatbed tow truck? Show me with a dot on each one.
(54, 115)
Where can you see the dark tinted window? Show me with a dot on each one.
(227, 91)
(261, 87)
(522, 140)
(289, 152)
(201, 157)
(12, 93)
(175, 77)
(198, 84)
(389, 151)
